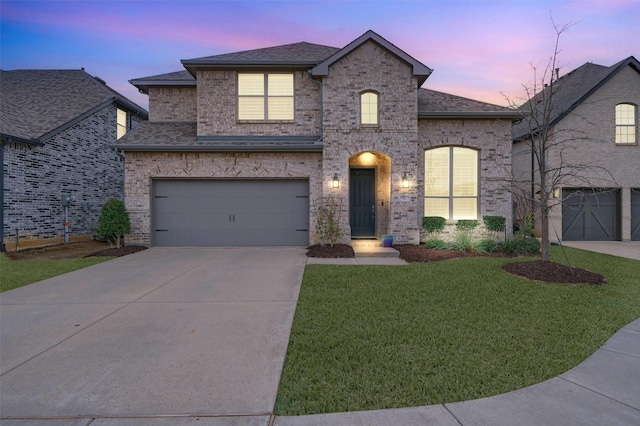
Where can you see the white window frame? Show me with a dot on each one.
(366, 114)
(121, 127)
(265, 96)
(450, 197)
(630, 134)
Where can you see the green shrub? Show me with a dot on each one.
(435, 243)
(526, 228)
(495, 223)
(466, 225)
(465, 242)
(488, 245)
(522, 246)
(113, 222)
(433, 223)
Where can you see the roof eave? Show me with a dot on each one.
(506, 115)
(143, 85)
(11, 138)
(218, 148)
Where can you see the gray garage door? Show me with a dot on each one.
(230, 212)
(588, 216)
(635, 214)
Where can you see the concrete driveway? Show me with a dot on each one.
(628, 249)
(161, 333)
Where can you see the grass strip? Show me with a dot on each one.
(17, 273)
(377, 337)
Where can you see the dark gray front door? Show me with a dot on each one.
(362, 200)
(230, 212)
(635, 214)
(589, 216)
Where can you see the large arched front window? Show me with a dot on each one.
(626, 123)
(451, 182)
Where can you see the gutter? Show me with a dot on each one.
(471, 114)
(316, 147)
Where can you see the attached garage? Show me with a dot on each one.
(589, 216)
(230, 212)
(635, 214)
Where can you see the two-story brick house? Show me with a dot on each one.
(240, 147)
(594, 152)
(55, 130)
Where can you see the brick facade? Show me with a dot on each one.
(173, 104)
(77, 162)
(328, 106)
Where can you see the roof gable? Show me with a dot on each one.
(571, 90)
(36, 104)
(419, 69)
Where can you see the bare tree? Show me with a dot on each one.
(547, 146)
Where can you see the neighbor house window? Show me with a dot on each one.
(121, 121)
(369, 108)
(265, 96)
(451, 183)
(626, 123)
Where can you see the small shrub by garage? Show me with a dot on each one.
(113, 222)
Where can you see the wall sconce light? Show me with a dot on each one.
(405, 180)
(556, 193)
(335, 183)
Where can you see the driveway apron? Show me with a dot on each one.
(163, 332)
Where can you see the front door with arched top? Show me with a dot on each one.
(362, 202)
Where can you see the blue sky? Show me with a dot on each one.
(478, 49)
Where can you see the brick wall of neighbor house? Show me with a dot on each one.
(217, 107)
(76, 162)
(493, 139)
(172, 104)
(611, 165)
(371, 67)
(142, 167)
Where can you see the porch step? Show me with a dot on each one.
(372, 250)
(366, 243)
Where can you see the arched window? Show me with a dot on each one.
(368, 107)
(451, 182)
(626, 123)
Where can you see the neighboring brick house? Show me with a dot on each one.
(594, 133)
(240, 147)
(55, 128)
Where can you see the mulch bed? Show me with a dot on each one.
(538, 270)
(118, 252)
(552, 272)
(328, 251)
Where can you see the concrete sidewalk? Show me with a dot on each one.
(628, 249)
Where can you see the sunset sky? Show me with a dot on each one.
(478, 49)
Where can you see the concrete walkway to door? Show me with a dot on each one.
(162, 333)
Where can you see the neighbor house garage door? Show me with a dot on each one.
(635, 214)
(590, 217)
(230, 212)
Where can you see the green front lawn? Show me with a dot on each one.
(16, 273)
(375, 337)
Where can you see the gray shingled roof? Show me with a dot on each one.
(570, 90)
(295, 53)
(433, 104)
(182, 136)
(35, 103)
(177, 78)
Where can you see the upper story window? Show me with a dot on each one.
(121, 121)
(265, 96)
(369, 107)
(451, 183)
(626, 123)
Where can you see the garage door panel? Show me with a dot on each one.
(221, 212)
(635, 214)
(590, 216)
